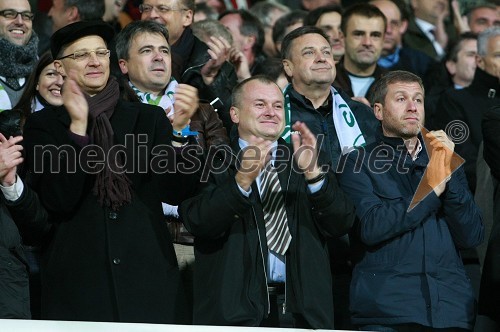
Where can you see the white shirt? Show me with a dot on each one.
(276, 263)
(427, 28)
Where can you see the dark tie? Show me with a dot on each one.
(13, 83)
(273, 205)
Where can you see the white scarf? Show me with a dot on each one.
(5, 103)
(165, 101)
(347, 128)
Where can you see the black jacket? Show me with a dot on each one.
(230, 285)
(490, 279)
(14, 281)
(189, 55)
(457, 108)
(102, 265)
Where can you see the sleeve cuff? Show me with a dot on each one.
(81, 141)
(14, 192)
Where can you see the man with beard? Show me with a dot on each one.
(18, 50)
(408, 274)
(364, 27)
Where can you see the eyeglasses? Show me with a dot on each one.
(85, 55)
(161, 9)
(12, 14)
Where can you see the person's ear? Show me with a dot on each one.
(235, 114)
(403, 27)
(451, 66)
(187, 18)
(59, 68)
(377, 110)
(122, 63)
(288, 67)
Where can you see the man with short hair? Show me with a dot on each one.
(338, 121)
(483, 16)
(248, 38)
(104, 198)
(64, 12)
(456, 71)
(145, 60)
(329, 19)
(263, 260)
(429, 28)
(467, 106)
(201, 65)
(18, 50)
(363, 26)
(268, 12)
(408, 273)
(395, 56)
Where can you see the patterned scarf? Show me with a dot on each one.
(16, 61)
(347, 128)
(112, 186)
(165, 101)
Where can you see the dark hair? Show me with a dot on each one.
(455, 47)
(189, 4)
(126, 35)
(289, 38)
(238, 89)
(313, 16)
(361, 9)
(380, 86)
(25, 103)
(89, 10)
(209, 12)
(271, 67)
(250, 26)
(481, 6)
(286, 21)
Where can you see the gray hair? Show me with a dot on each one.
(483, 39)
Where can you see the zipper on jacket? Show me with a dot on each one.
(263, 262)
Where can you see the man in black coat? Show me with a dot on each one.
(18, 204)
(201, 65)
(239, 278)
(101, 167)
(490, 279)
(338, 121)
(460, 111)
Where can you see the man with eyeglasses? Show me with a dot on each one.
(201, 65)
(110, 257)
(18, 50)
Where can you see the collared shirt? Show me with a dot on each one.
(276, 263)
(427, 28)
(13, 193)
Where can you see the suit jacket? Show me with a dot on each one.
(103, 265)
(230, 285)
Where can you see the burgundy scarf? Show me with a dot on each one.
(112, 187)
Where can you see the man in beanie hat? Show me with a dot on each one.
(110, 257)
(18, 50)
